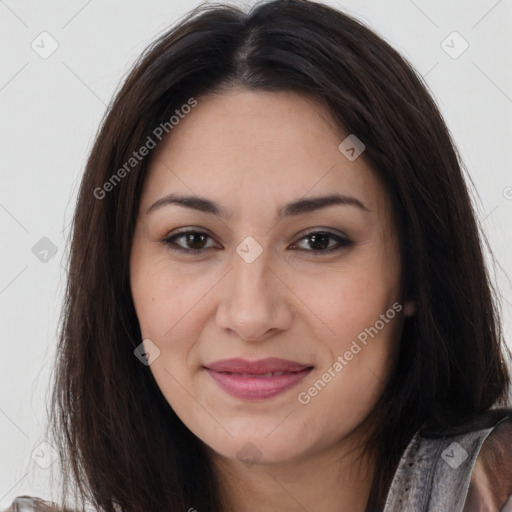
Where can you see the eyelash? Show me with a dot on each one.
(170, 242)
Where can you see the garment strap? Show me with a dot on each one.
(433, 475)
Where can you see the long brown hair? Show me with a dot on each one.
(119, 439)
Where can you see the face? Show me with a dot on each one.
(317, 285)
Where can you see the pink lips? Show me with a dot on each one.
(244, 379)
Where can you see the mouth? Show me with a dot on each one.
(257, 380)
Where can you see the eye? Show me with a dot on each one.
(319, 242)
(194, 241)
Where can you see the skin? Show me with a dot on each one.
(252, 152)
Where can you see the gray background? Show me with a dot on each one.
(51, 107)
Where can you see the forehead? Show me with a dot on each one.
(274, 146)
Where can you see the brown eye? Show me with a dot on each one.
(317, 242)
(191, 241)
(320, 242)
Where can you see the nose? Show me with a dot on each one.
(255, 304)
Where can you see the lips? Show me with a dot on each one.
(260, 367)
(253, 380)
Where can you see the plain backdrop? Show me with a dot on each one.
(50, 109)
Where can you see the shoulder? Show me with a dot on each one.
(33, 504)
(491, 479)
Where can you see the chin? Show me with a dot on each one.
(260, 448)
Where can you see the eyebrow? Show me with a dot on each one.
(296, 207)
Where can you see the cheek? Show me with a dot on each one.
(148, 299)
(345, 299)
(167, 312)
(161, 298)
(352, 306)
(172, 306)
(347, 387)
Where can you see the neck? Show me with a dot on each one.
(336, 480)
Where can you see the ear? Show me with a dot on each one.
(410, 308)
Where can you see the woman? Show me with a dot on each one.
(277, 298)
